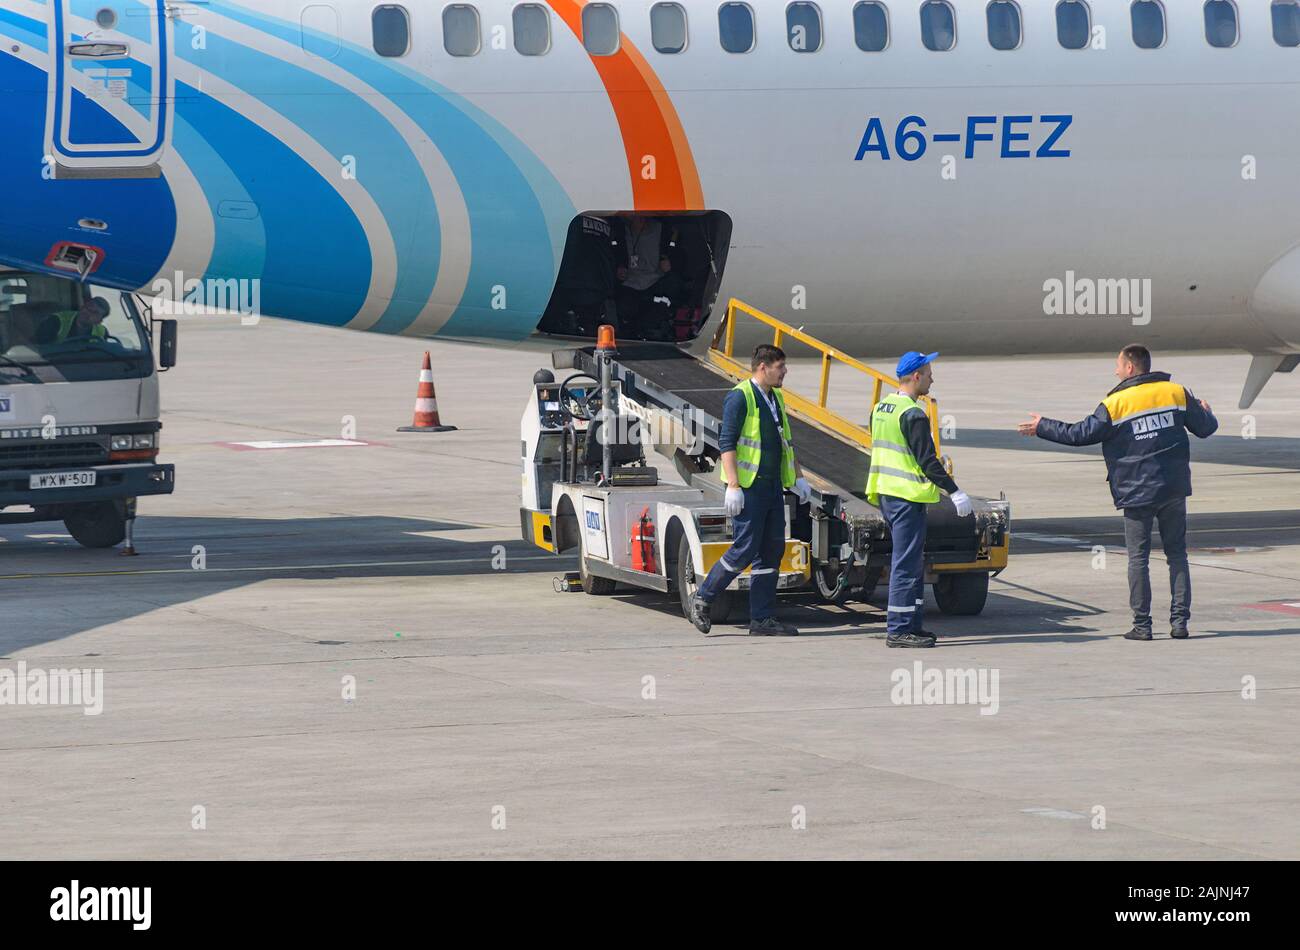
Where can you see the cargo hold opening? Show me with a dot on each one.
(652, 275)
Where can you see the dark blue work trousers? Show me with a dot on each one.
(758, 539)
(907, 573)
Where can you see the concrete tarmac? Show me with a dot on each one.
(493, 717)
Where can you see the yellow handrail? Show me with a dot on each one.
(722, 355)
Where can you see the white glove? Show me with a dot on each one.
(802, 489)
(735, 501)
(962, 502)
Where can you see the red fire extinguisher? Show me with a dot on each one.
(643, 543)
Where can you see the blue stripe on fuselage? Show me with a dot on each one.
(239, 244)
(317, 263)
(24, 29)
(345, 125)
(36, 212)
(513, 238)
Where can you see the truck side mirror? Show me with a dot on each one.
(167, 343)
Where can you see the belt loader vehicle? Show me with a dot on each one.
(594, 493)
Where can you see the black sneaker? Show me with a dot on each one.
(700, 614)
(1179, 632)
(771, 627)
(1136, 634)
(915, 641)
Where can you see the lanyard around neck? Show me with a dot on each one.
(770, 399)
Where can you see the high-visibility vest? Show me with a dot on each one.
(749, 447)
(66, 319)
(894, 469)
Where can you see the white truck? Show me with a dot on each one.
(79, 421)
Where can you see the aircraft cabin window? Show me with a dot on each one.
(938, 25)
(1073, 24)
(532, 28)
(600, 29)
(1221, 23)
(871, 27)
(461, 32)
(1286, 22)
(668, 27)
(1004, 25)
(1148, 24)
(736, 27)
(803, 27)
(391, 26)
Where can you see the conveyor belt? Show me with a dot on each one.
(692, 381)
(670, 378)
(835, 460)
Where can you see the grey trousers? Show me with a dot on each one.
(1171, 517)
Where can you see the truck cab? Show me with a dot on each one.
(79, 405)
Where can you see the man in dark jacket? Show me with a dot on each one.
(1142, 425)
(649, 285)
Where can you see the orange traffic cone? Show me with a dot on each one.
(426, 405)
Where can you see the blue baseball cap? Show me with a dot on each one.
(911, 362)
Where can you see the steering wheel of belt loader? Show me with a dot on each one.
(586, 407)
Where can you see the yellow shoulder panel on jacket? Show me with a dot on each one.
(1148, 397)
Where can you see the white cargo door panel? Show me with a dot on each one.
(595, 527)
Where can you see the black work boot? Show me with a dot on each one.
(1138, 634)
(771, 627)
(914, 641)
(700, 614)
(1179, 631)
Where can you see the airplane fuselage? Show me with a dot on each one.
(978, 200)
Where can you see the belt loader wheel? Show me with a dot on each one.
(859, 588)
(869, 584)
(592, 584)
(962, 594)
(688, 584)
(829, 588)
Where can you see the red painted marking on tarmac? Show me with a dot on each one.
(1278, 607)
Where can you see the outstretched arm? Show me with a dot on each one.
(1201, 421)
(1096, 428)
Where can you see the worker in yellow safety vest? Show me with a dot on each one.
(758, 467)
(906, 475)
(85, 323)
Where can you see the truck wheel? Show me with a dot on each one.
(598, 586)
(688, 584)
(100, 524)
(962, 594)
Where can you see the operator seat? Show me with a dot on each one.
(628, 457)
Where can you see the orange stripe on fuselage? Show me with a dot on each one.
(648, 122)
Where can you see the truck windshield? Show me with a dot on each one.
(48, 320)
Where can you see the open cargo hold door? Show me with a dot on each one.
(110, 90)
(593, 285)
